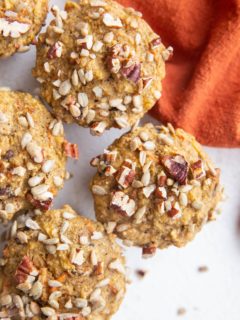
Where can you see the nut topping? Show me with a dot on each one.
(156, 43)
(131, 71)
(71, 150)
(176, 167)
(25, 269)
(122, 204)
(55, 51)
(149, 251)
(125, 176)
(197, 170)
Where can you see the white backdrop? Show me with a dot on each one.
(173, 280)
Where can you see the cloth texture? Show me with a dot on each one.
(201, 91)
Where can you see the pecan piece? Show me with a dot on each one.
(110, 156)
(25, 269)
(132, 71)
(55, 51)
(125, 176)
(162, 181)
(115, 57)
(42, 205)
(109, 171)
(114, 64)
(155, 43)
(161, 193)
(8, 155)
(6, 192)
(71, 150)
(149, 250)
(122, 204)
(176, 167)
(146, 82)
(119, 50)
(172, 213)
(197, 170)
(141, 273)
(128, 163)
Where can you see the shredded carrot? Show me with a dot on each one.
(62, 278)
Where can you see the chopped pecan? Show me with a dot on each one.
(141, 273)
(125, 176)
(42, 205)
(197, 170)
(146, 82)
(119, 51)
(117, 60)
(6, 192)
(8, 155)
(149, 250)
(132, 71)
(110, 156)
(128, 163)
(115, 57)
(109, 171)
(25, 269)
(173, 212)
(155, 43)
(114, 64)
(54, 50)
(176, 167)
(162, 180)
(161, 193)
(71, 150)
(122, 204)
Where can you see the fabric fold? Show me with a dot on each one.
(201, 92)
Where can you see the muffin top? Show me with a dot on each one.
(20, 21)
(61, 266)
(100, 65)
(155, 187)
(32, 154)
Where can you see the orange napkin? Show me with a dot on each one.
(201, 92)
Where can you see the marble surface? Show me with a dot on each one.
(172, 280)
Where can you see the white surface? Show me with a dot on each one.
(172, 280)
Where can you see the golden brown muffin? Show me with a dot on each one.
(20, 21)
(155, 187)
(32, 154)
(100, 65)
(61, 266)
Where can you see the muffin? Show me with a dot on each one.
(32, 154)
(61, 266)
(100, 65)
(155, 187)
(20, 21)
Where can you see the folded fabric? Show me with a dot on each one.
(201, 92)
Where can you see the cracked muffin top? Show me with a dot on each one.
(155, 187)
(100, 65)
(32, 154)
(61, 266)
(20, 21)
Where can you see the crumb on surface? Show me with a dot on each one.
(203, 269)
(181, 311)
(141, 273)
